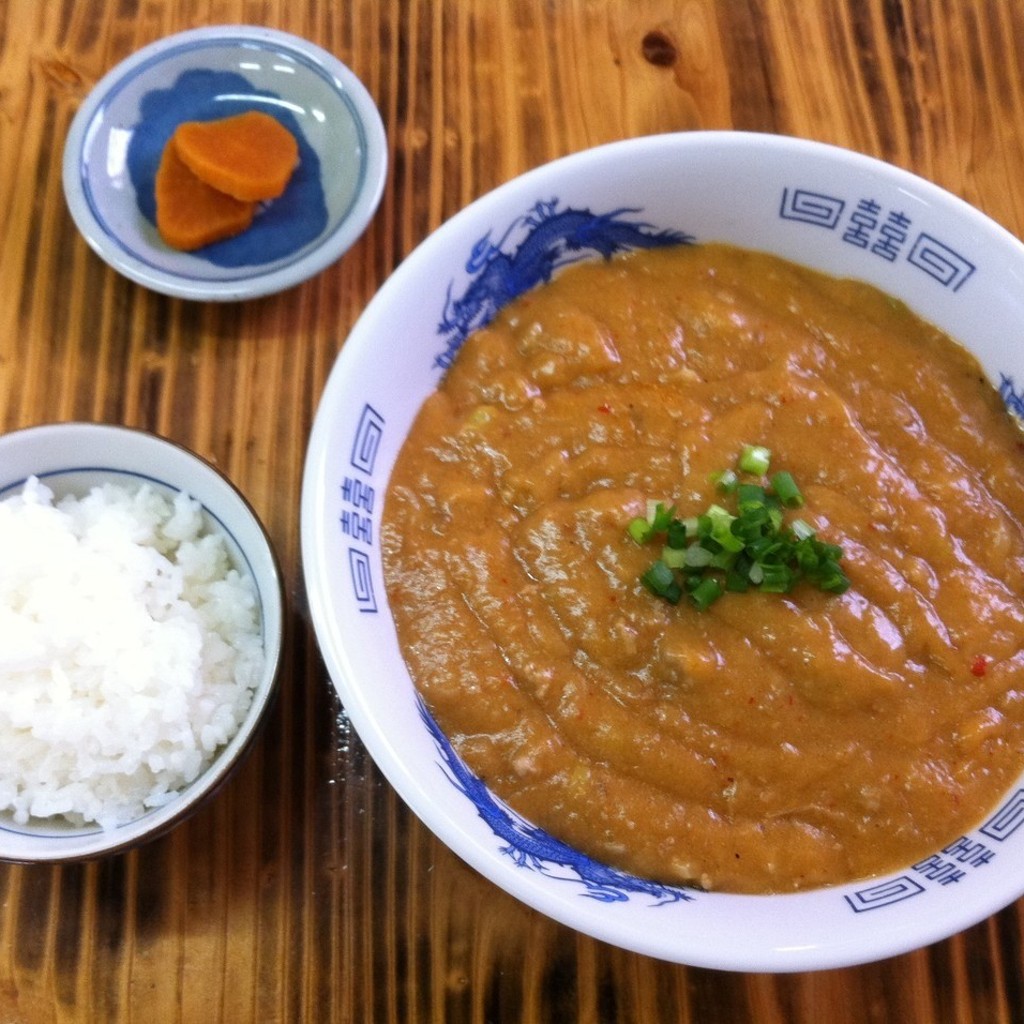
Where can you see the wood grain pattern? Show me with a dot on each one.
(306, 891)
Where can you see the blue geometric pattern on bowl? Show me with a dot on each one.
(528, 252)
(886, 233)
(883, 894)
(281, 227)
(532, 848)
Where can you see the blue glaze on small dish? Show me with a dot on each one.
(118, 135)
(281, 227)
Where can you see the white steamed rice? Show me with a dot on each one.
(129, 650)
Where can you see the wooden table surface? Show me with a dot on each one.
(306, 891)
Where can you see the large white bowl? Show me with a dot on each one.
(72, 458)
(834, 210)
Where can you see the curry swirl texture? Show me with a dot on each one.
(773, 742)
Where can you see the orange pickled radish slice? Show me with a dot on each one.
(191, 214)
(249, 156)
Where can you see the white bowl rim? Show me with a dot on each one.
(364, 203)
(689, 949)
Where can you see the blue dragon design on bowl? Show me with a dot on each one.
(1013, 397)
(532, 848)
(529, 252)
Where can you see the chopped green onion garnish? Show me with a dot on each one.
(660, 580)
(726, 481)
(677, 533)
(706, 592)
(721, 523)
(640, 530)
(755, 459)
(724, 560)
(674, 558)
(737, 580)
(786, 489)
(751, 496)
(720, 550)
(801, 530)
(696, 556)
(776, 578)
(659, 517)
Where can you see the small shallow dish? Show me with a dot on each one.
(117, 137)
(833, 210)
(71, 458)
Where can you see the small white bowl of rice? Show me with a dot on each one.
(141, 626)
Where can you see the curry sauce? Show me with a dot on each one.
(774, 742)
